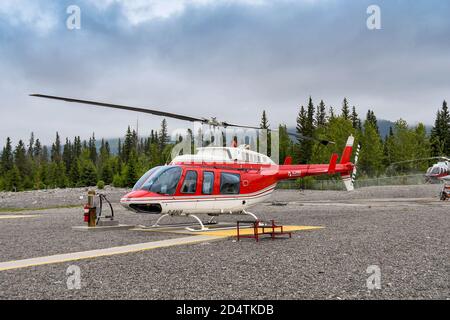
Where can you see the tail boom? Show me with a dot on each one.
(345, 168)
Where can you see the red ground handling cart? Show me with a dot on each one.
(261, 228)
(445, 192)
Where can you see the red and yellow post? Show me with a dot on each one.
(90, 211)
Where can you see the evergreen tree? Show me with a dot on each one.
(21, 160)
(265, 125)
(321, 114)
(37, 151)
(45, 154)
(163, 135)
(30, 151)
(56, 149)
(43, 180)
(107, 173)
(88, 173)
(305, 127)
(132, 170)
(356, 122)
(372, 119)
(92, 149)
(57, 175)
(388, 147)
(119, 149)
(404, 146)
(337, 129)
(13, 181)
(345, 110)
(301, 128)
(285, 146)
(77, 147)
(128, 145)
(7, 159)
(331, 114)
(371, 155)
(67, 155)
(75, 174)
(422, 147)
(440, 134)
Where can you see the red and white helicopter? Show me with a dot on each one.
(439, 170)
(217, 180)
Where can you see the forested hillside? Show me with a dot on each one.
(73, 163)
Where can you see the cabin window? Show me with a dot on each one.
(208, 182)
(190, 182)
(229, 183)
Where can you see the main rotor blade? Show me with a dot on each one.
(419, 159)
(226, 124)
(302, 137)
(149, 111)
(122, 107)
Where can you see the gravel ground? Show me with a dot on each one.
(54, 197)
(408, 240)
(415, 191)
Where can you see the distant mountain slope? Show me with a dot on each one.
(384, 125)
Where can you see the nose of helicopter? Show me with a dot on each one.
(141, 201)
(133, 196)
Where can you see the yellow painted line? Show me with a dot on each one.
(229, 232)
(15, 216)
(59, 258)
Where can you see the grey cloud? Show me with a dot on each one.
(227, 61)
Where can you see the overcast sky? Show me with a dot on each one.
(224, 58)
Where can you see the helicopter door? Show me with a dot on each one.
(188, 190)
(206, 204)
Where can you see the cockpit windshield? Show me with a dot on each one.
(162, 180)
(144, 178)
(436, 170)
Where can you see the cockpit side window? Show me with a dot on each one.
(190, 182)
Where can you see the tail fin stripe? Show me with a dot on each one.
(356, 161)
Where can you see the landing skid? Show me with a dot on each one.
(187, 226)
(190, 226)
(202, 226)
(254, 217)
(250, 214)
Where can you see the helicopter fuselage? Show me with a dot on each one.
(214, 189)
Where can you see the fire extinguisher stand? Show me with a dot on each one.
(92, 214)
(94, 218)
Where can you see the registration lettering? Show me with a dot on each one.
(296, 173)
